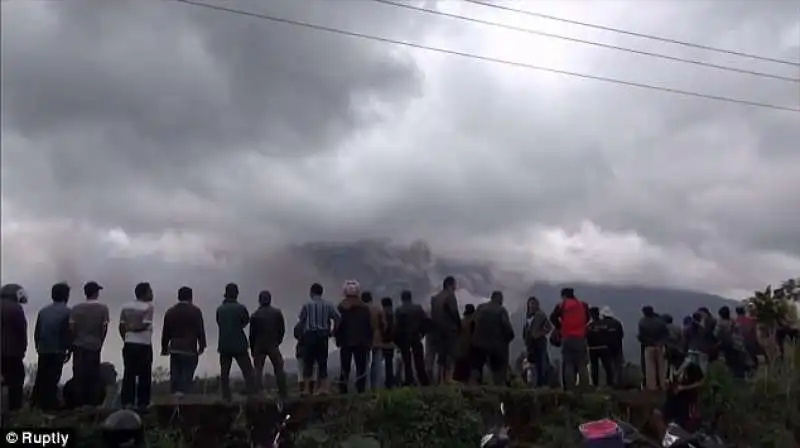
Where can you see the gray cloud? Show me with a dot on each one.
(188, 146)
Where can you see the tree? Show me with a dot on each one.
(773, 308)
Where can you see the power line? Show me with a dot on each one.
(635, 34)
(484, 58)
(586, 42)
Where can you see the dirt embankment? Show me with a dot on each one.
(531, 414)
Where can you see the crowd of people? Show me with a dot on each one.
(439, 345)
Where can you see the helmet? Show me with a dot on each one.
(15, 292)
(351, 288)
(123, 428)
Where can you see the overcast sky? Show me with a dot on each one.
(164, 142)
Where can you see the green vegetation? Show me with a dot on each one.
(762, 412)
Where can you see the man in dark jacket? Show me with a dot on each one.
(183, 338)
(14, 340)
(52, 338)
(232, 318)
(731, 343)
(599, 337)
(534, 332)
(267, 329)
(710, 328)
(616, 334)
(464, 350)
(446, 326)
(387, 340)
(492, 334)
(653, 336)
(410, 326)
(353, 336)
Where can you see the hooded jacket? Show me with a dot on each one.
(355, 326)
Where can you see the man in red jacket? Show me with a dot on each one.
(570, 318)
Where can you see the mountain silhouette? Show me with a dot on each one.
(386, 269)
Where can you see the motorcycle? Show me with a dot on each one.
(677, 437)
(497, 437)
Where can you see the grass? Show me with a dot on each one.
(762, 412)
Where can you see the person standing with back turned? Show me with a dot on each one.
(232, 318)
(267, 330)
(317, 322)
(14, 330)
(136, 329)
(88, 323)
(52, 339)
(183, 339)
(570, 318)
(653, 335)
(446, 322)
(411, 323)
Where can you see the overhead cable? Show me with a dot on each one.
(587, 42)
(635, 34)
(477, 57)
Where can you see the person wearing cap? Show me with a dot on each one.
(14, 339)
(267, 330)
(88, 322)
(183, 339)
(232, 318)
(52, 339)
(136, 329)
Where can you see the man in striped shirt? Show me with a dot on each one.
(317, 318)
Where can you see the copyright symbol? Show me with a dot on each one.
(12, 437)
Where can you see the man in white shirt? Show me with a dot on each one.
(136, 330)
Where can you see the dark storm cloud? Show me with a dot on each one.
(676, 170)
(238, 135)
(156, 93)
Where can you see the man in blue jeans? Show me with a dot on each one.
(535, 330)
(183, 338)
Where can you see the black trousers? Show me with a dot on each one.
(48, 374)
(86, 372)
(413, 356)
(315, 351)
(348, 356)
(598, 357)
(137, 378)
(13, 371)
(497, 361)
(388, 366)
